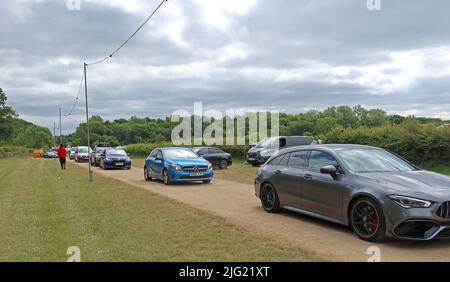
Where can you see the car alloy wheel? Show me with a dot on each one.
(367, 220)
(269, 198)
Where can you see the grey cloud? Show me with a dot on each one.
(44, 45)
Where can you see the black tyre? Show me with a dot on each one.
(166, 177)
(367, 220)
(223, 164)
(255, 163)
(206, 181)
(269, 198)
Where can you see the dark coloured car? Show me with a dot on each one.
(260, 152)
(215, 156)
(375, 192)
(96, 156)
(177, 165)
(115, 158)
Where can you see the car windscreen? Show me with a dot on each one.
(374, 160)
(100, 150)
(82, 150)
(179, 154)
(266, 142)
(115, 153)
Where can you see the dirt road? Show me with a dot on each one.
(236, 202)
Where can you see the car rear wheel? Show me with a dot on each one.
(269, 198)
(166, 177)
(367, 220)
(223, 164)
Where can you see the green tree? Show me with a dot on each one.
(6, 115)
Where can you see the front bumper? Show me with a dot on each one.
(420, 224)
(186, 176)
(83, 158)
(256, 158)
(117, 164)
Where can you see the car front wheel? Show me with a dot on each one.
(367, 220)
(269, 198)
(166, 177)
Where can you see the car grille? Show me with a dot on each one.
(252, 155)
(444, 210)
(195, 168)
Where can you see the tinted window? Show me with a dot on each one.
(202, 151)
(276, 160)
(298, 159)
(214, 151)
(285, 160)
(159, 154)
(319, 159)
(153, 153)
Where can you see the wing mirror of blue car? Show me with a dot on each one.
(329, 169)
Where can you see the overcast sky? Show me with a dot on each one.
(287, 55)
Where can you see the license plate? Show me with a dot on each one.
(196, 174)
(119, 163)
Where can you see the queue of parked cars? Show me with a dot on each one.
(376, 193)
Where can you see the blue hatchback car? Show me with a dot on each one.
(177, 165)
(114, 158)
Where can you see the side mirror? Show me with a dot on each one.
(329, 169)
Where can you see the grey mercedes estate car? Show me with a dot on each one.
(375, 192)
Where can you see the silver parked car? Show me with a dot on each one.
(375, 192)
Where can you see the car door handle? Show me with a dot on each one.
(278, 172)
(307, 176)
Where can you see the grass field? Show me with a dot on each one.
(44, 211)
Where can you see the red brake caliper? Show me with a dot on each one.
(374, 219)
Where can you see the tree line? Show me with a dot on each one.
(14, 130)
(419, 139)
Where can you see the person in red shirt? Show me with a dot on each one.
(62, 154)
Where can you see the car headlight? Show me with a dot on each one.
(107, 159)
(175, 167)
(408, 203)
(209, 166)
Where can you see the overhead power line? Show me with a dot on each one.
(129, 38)
(76, 99)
